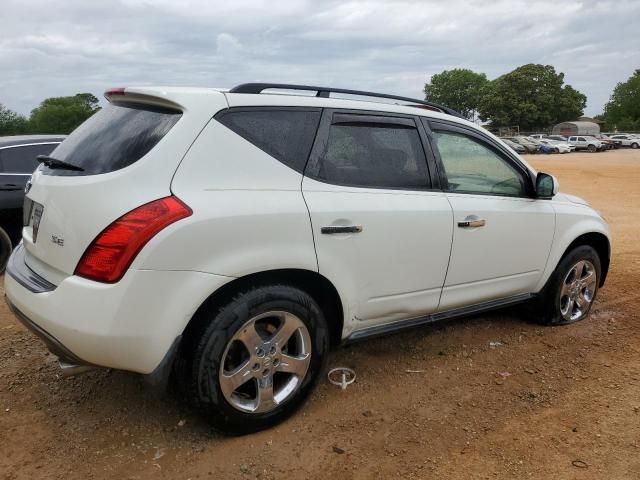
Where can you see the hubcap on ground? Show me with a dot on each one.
(577, 290)
(265, 362)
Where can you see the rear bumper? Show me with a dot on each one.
(130, 325)
(52, 343)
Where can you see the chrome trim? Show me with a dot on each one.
(30, 145)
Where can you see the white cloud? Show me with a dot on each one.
(52, 48)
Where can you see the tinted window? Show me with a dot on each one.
(374, 155)
(473, 167)
(113, 138)
(22, 159)
(286, 135)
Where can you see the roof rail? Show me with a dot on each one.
(326, 91)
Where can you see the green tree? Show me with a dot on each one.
(62, 114)
(11, 123)
(532, 96)
(459, 89)
(622, 112)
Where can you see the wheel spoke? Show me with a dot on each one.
(569, 310)
(589, 280)
(288, 326)
(579, 269)
(295, 365)
(250, 337)
(264, 399)
(566, 289)
(581, 302)
(230, 382)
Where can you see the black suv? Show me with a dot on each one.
(17, 163)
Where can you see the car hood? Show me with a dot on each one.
(567, 197)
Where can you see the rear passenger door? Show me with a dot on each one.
(381, 228)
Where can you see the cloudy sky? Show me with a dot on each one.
(52, 48)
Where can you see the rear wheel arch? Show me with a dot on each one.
(600, 243)
(313, 283)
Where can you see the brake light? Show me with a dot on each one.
(114, 91)
(111, 253)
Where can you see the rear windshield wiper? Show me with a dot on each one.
(55, 163)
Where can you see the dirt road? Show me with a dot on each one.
(547, 403)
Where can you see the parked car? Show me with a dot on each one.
(226, 240)
(607, 142)
(586, 142)
(559, 147)
(559, 138)
(517, 147)
(538, 136)
(626, 140)
(17, 162)
(528, 143)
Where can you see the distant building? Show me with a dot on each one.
(576, 128)
(593, 120)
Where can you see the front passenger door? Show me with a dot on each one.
(502, 234)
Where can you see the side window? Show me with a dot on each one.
(378, 155)
(581, 139)
(286, 135)
(22, 159)
(473, 167)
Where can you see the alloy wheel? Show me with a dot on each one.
(265, 362)
(577, 290)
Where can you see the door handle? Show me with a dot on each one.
(333, 229)
(10, 187)
(472, 221)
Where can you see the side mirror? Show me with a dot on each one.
(546, 185)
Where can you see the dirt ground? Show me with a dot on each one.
(437, 402)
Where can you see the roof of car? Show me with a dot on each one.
(14, 140)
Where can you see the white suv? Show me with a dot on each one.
(586, 142)
(229, 238)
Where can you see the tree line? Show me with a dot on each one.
(57, 115)
(533, 97)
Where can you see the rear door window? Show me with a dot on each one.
(114, 138)
(284, 133)
(375, 152)
(23, 159)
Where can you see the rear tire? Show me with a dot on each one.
(5, 249)
(572, 288)
(257, 359)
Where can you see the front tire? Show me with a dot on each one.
(592, 148)
(634, 145)
(258, 359)
(571, 289)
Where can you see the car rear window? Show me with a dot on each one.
(285, 134)
(115, 137)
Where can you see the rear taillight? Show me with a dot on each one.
(110, 254)
(114, 91)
